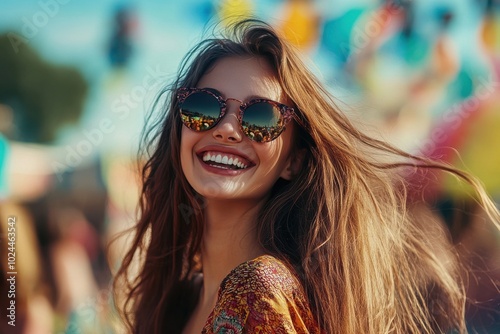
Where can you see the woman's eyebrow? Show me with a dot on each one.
(247, 98)
(250, 98)
(255, 97)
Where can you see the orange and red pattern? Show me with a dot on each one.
(261, 296)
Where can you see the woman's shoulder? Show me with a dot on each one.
(263, 274)
(261, 296)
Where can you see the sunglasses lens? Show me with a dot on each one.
(262, 122)
(200, 111)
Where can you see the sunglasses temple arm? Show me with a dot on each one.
(298, 120)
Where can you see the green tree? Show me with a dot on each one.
(44, 96)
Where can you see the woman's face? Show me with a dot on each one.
(242, 78)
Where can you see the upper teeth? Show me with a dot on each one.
(223, 159)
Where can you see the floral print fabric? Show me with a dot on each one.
(261, 296)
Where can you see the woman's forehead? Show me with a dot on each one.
(243, 77)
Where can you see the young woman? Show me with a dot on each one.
(262, 210)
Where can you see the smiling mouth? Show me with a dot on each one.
(224, 161)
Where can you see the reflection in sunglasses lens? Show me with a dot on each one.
(200, 111)
(261, 121)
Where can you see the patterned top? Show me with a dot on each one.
(261, 296)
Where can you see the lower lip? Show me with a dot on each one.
(220, 171)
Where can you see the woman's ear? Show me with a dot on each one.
(294, 164)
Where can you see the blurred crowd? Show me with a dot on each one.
(423, 75)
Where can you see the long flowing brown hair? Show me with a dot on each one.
(342, 224)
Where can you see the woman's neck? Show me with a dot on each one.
(229, 239)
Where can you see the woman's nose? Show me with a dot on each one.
(228, 128)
